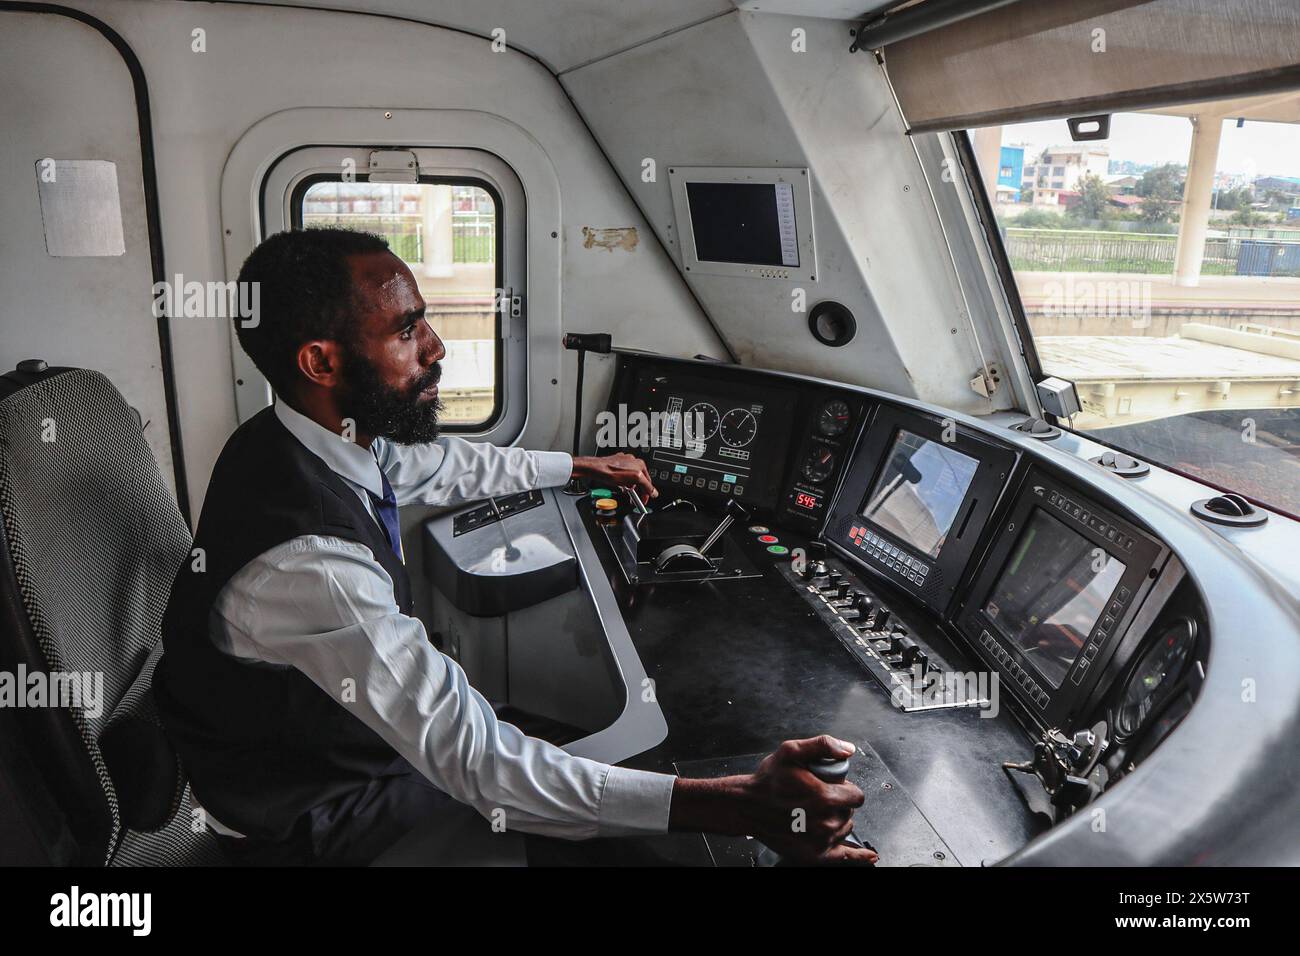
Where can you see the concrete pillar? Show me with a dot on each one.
(988, 154)
(1197, 193)
(436, 208)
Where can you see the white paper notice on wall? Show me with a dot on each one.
(80, 207)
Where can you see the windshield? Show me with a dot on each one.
(1159, 271)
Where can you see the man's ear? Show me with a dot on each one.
(321, 361)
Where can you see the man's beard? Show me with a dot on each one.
(399, 415)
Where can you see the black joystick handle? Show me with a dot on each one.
(836, 770)
(830, 769)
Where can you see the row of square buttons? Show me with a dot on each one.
(701, 482)
(1012, 667)
(891, 556)
(1082, 514)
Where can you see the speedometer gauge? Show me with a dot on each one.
(835, 418)
(1156, 676)
(738, 428)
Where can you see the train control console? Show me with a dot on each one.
(1005, 635)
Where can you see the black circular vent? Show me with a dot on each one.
(832, 324)
(1229, 509)
(1037, 428)
(1126, 466)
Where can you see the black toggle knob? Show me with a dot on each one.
(908, 649)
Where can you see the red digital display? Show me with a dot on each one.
(806, 501)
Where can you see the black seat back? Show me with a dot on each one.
(90, 540)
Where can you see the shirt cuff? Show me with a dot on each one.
(635, 802)
(553, 468)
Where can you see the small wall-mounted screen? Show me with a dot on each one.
(747, 223)
(919, 491)
(1055, 586)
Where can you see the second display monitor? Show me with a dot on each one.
(918, 494)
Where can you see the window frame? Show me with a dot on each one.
(988, 227)
(299, 192)
(274, 208)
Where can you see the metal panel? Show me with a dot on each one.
(80, 207)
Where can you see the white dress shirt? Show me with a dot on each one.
(325, 606)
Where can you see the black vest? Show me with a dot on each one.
(262, 744)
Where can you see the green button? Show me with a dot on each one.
(601, 493)
(777, 549)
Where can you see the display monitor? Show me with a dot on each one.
(744, 222)
(700, 437)
(1052, 591)
(919, 492)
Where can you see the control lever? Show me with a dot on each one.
(829, 770)
(816, 564)
(686, 557)
(734, 510)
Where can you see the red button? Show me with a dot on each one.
(768, 538)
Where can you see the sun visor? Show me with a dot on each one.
(1028, 61)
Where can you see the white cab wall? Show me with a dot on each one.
(261, 60)
(733, 92)
(562, 34)
(68, 96)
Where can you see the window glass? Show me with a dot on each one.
(1160, 272)
(447, 234)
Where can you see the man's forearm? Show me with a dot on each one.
(713, 805)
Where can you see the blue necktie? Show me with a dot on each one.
(386, 508)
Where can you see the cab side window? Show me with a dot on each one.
(447, 233)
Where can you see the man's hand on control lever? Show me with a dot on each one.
(764, 804)
(622, 470)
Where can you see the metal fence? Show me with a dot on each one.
(473, 235)
(1056, 251)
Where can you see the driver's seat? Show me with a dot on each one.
(90, 540)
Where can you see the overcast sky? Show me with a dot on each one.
(1258, 148)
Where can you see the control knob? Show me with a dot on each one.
(907, 650)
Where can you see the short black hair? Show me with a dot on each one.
(305, 292)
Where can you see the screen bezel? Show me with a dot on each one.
(800, 181)
(992, 473)
(1145, 555)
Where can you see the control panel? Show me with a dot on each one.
(712, 434)
(920, 518)
(914, 674)
(829, 425)
(496, 509)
